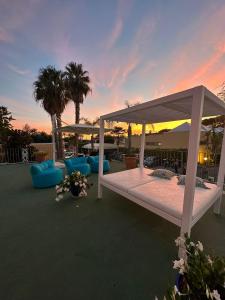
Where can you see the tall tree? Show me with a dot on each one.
(129, 129)
(118, 132)
(5, 122)
(92, 123)
(78, 87)
(49, 90)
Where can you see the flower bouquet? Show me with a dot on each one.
(76, 183)
(200, 276)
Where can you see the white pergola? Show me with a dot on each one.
(193, 104)
(82, 129)
(79, 129)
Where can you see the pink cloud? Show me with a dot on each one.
(115, 34)
(5, 36)
(198, 59)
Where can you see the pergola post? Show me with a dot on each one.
(193, 148)
(142, 149)
(221, 175)
(101, 156)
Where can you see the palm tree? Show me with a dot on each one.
(129, 129)
(92, 123)
(49, 90)
(77, 85)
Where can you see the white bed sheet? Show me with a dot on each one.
(168, 196)
(128, 179)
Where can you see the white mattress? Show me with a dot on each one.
(167, 196)
(128, 179)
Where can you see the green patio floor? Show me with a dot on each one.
(86, 249)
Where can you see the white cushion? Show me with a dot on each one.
(167, 196)
(128, 179)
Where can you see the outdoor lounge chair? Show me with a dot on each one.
(77, 164)
(46, 174)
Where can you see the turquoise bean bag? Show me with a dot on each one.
(45, 174)
(77, 164)
(94, 163)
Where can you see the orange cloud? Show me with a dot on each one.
(200, 58)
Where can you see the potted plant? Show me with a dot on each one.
(40, 156)
(200, 276)
(76, 183)
(130, 160)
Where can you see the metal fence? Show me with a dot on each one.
(16, 155)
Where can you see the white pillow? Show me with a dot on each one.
(199, 181)
(163, 173)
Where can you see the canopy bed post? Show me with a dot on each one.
(142, 149)
(193, 147)
(101, 157)
(221, 174)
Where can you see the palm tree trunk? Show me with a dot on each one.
(60, 139)
(77, 121)
(129, 132)
(53, 138)
(92, 142)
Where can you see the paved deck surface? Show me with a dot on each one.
(89, 249)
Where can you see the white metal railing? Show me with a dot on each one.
(16, 154)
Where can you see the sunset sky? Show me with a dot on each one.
(133, 50)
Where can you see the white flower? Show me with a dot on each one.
(179, 241)
(66, 190)
(175, 289)
(57, 199)
(76, 183)
(209, 260)
(85, 180)
(180, 265)
(199, 246)
(84, 185)
(56, 187)
(215, 295)
(59, 190)
(85, 193)
(60, 196)
(192, 244)
(66, 176)
(81, 184)
(78, 173)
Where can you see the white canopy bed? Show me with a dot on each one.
(181, 205)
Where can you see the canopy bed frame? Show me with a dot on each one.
(181, 205)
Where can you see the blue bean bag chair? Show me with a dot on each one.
(46, 174)
(94, 163)
(77, 164)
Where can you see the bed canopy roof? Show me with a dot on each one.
(173, 107)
